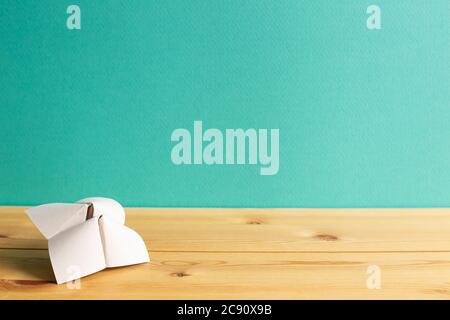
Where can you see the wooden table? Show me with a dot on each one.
(250, 254)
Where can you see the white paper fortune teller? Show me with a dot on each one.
(87, 236)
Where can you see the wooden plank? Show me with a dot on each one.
(27, 274)
(249, 254)
(265, 230)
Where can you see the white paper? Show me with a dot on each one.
(54, 218)
(77, 252)
(80, 247)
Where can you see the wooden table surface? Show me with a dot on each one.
(249, 254)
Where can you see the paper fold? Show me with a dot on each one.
(54, 218)
(87, 236)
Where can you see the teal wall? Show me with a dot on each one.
(364, 116)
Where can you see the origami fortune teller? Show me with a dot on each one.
(87, 236)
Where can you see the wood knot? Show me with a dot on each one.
(179, 274)
(254, 222)
(2, 236)
(326, 237)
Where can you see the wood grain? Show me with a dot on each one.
(249, 254)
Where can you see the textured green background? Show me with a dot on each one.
(364, 116)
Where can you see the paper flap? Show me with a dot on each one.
(122, 246)
(77, 252)
(54, 218)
